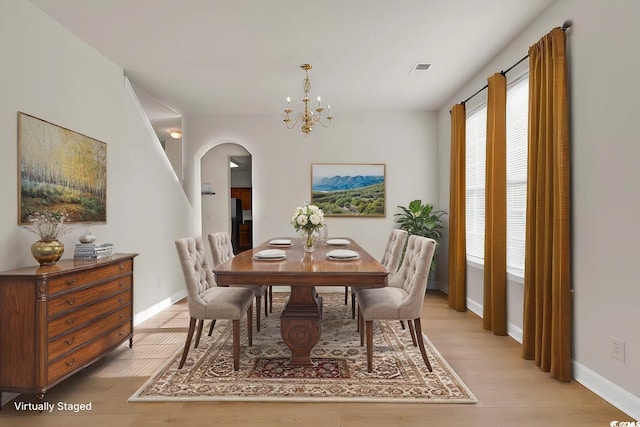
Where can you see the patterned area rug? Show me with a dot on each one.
(340, 375)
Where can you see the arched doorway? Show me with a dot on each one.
(224, 188)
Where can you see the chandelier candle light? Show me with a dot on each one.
(307, 118)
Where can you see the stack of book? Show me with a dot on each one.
(93, 250)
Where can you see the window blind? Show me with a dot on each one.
(476, 148)
(517, 137)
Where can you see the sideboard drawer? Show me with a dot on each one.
(82, 356)
(70, 301)
(80, 279)
(85, 315)
(75, 339)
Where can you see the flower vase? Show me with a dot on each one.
(309, 239)
(47, 252)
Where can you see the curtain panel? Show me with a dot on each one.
(457, 208)
(547, 319)
(494, 316)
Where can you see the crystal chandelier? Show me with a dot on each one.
(307, 118)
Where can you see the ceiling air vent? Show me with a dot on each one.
(419, 67)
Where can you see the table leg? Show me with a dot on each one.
(300, 324)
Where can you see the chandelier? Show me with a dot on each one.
(307, 118)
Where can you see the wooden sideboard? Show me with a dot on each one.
(56, 320)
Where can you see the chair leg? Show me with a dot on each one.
(369, 329)
(346, 294)
(199, 334)
(258, 305)
(266, 304)
(250, 324)
(236, 344)
(421, 344)
(402, 324)
(360, 328)
(213, 323)
(413, 333)
(192, 326)
(353, 304)
(270, 299)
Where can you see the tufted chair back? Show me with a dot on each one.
(198, 276)
(393, 251)
(221, 247)
(413, 275)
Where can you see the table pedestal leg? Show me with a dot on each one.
(300, 324)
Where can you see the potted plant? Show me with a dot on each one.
(420, 219)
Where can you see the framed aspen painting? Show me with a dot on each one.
(349, 189)
(60, 171)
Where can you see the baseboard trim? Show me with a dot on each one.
(474, 307)
(609, 391)
(143, 315)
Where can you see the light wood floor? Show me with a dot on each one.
(511, 391)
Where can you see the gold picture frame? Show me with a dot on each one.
(61, 171)
(349, 189)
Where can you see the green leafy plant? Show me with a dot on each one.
(421, 220)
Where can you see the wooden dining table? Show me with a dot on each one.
(302, 271)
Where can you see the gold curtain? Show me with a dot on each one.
(547, 287)
(457, 216)
(495, 233)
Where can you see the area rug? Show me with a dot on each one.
(340, 374)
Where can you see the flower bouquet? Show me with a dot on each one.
(308, 219)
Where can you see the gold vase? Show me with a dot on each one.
(47, 252)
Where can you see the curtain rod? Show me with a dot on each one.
(565, 26)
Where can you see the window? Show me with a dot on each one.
(517, 137)
(476, 148)
(517, 130)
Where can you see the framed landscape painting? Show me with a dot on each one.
(349, 190)
(60, 171)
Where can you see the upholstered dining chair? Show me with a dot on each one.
(402, 299)
(222, 250)
(208, 301)
(390, 260)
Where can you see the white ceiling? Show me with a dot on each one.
(243, 56)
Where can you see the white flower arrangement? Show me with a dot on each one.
(48, 225)
(308, 218)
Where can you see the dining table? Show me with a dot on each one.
(284, 262)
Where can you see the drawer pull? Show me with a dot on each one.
(71, 362)
(121, 284)
(71, 301)
(121, 267)
(70, 282)
(71, 341)
(70, 321)
(120, 316)
(121, 300)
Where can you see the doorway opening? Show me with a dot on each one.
(226, 171)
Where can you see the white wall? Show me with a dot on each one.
(51, 74)
(603, 64)
(404, 141)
